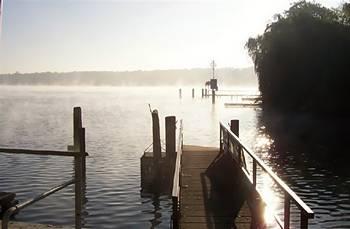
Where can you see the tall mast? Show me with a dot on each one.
(213, 65)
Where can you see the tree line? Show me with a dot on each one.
(302, 60)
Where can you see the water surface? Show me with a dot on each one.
(118, 129)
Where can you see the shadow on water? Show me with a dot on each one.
(311, 154)
(321, 143)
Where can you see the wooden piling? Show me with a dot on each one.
(157, 151)
(78, 165)
(180, 93)
(170, 136)
(192, 92)
(202, 92)
(212, 96)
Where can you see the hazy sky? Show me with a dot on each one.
(75, 35)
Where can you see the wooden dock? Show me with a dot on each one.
(214, 187)
(204, 203)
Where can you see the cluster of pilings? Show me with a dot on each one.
(205, 94)
(157, 167)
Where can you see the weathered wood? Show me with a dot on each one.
(234, 127)
(203, 202)
(78, 168)
(156, 136)
(39, 152)
(286, 211)
(170, 136)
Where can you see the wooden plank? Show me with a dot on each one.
(203, 203)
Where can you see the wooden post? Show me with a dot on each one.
(206, 92)
(254, 173)
(78, 172)
(180, 93)
(170, 136)
(234, 127)
(213, 96)
(303, 220)
(157, 151)
(202, 92)
(286, 211)
(192, 92)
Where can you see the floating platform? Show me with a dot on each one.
(248, 105)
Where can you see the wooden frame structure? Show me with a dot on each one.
(78, 151)
(230, 143)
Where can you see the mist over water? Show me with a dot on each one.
(118, 129)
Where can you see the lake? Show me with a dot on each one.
(118, 129)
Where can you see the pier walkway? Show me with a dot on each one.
(217, 188)
(204, 203)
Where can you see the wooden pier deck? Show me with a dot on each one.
(204, 203)
(214, 188)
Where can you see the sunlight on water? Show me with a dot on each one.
(118, 126)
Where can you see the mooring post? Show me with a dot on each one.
(170, 136)
(180, 93)
(192, 92)
(234, 127)
(212, 96)
(157, 154)
(78, 165)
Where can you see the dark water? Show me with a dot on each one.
(118, 125)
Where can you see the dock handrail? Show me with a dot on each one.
(176, 180)
(77, 151)
(230, 143)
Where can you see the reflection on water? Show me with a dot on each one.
(118, 126)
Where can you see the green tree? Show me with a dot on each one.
(302, 60)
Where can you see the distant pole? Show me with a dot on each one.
(213, 96)
(206, 92)
(170, 132)
(202, 92)
(180, 93)
(157, 154)
(192, 92)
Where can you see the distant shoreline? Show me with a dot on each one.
(182, 77)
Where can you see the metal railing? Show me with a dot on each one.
(78, 151)
(230, 143)
(176, 180)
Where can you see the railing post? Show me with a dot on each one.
(254, 173)
(170, 136)
(303, 220)
(286, 211)
(78, 172)
(221, 139)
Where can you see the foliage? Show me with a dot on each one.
(302, 60)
